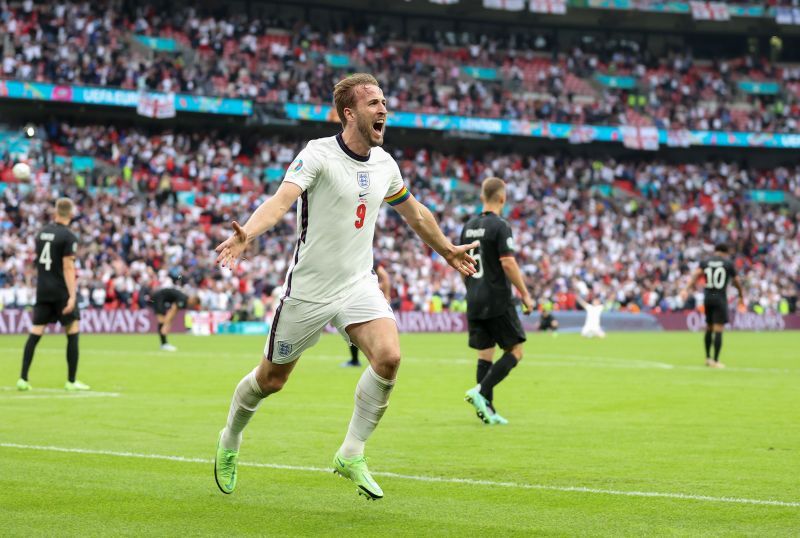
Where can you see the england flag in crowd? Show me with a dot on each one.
(156, 105)
(710, 11)
(554, 7)
(644, 138)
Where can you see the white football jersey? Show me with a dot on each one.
(593, 313)
(336, 215)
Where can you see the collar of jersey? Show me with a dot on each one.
(350, 153)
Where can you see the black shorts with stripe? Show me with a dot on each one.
(504, 331)
(45, 313)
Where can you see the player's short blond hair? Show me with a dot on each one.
(491, 188)
(64, 207)
(344, 93)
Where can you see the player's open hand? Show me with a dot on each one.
(70, 306)
(527, 304)
(461, 261)
(742, 306)
(232, 248)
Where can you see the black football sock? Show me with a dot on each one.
(717, 345)
(708, 344)
(27, 355)
(72, 357)
(497, 373)
(163, 337)
(353, 354)
(483, 369)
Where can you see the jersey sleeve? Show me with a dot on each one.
(731, 270)
(397, 192)
(305, 168)
(505, 241)
(71, 248)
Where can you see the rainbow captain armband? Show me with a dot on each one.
(398, 198)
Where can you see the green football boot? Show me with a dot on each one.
(496, 419)
(225, 462)
(23, 385)
(475, 398)
(76, 386)
(355, 469)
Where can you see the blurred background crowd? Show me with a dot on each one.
(155, 200)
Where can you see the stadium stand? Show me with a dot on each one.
(151, 202)
(510, 75)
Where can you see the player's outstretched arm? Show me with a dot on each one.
(265, 217)
(70, 280)
(424, 224)
(737, 283)
(512, 271)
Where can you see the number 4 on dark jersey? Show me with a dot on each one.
(53, 242)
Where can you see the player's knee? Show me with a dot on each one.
(388, 359)
(515, 350)
(272, 382)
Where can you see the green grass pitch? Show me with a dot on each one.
(627, 436)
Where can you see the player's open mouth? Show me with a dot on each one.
(378, 126)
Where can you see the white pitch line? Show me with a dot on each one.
(430, 479)
(52, 394)
(562, 360)
(81, 396)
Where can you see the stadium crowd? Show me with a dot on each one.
(151, 215)
(276, 61)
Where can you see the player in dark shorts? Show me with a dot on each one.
(56, 247)
(166, 302)
(491, 317)
(385, 284)
(718, 271)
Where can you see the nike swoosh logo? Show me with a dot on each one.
(363, 194)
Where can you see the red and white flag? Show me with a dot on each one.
(644, 138)
(508, 5)
(156, 105)
(710, 11)
(554, 7)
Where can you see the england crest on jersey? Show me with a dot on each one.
(284, 348)
(363, 179)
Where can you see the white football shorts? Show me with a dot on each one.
(297, 324)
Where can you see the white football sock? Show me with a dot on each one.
(246, 400)
(372, 399)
